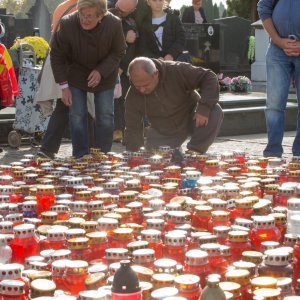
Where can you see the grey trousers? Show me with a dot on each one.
(200, 138)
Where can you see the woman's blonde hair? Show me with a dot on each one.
(100, 5)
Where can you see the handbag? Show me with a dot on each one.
(48, 89)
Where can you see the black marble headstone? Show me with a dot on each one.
(234, 36)
(9, 22)
(202, 42)
(15, 28)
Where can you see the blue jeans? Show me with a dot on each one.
(78, 116)
(280, 71)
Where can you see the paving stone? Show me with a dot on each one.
(253, 145)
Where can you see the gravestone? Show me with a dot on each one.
(258, 68)
(24, 27)
(14, 28)
(9, 22)
(234, 36)
(41, 18)
(202, 42)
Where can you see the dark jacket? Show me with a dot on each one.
(188, 15)
(173, 40)
(169, 106)
(128, 23)
(75, 52)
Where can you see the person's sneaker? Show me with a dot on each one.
(118, 136)
(45, 154)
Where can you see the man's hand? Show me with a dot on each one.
(94, 79)
(130, 36)
(289, 46)
(66, 96)
(293, 48)
(200, 120)
(168, 57)
(282, 42)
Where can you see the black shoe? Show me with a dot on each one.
(45, 154)
(177, 156)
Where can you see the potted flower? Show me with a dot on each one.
(39, 44)
(240, 84)
(224, 82)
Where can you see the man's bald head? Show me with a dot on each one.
(142, 64)
(143, 74)
(126, 6)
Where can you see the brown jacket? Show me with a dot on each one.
(75, 52)
(170, 105)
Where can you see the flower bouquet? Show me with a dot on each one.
(39, 45)
(240, 84)
(224, 82)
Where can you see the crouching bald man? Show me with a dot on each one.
(164, 92)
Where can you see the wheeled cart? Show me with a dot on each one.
(29, 119)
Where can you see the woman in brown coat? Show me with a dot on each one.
(85, 56)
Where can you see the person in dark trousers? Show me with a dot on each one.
(165, 93)
(281, 21)
(194, 14)
(124, 9)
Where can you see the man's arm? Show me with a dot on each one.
(204, 80)
(272, 32)
(265, 10)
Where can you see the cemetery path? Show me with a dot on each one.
(252, 144)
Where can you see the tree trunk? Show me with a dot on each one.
(254, 14)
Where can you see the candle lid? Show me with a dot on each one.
(92, 295)
(164, 292)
